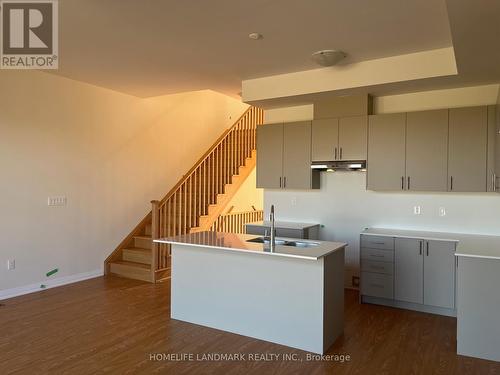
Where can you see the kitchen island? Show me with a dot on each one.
(292, 296)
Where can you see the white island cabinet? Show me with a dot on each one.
(293, 296)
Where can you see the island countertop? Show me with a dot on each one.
(239, 242)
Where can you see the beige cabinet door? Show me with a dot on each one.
(409, 270)
(297, 155)
(325, 138)
(270, 156)
(353, 137)
(427, 150)
(386, 152)
(467, 149)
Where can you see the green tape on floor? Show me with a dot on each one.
(50, 273)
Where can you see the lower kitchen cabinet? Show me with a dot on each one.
(439, 274)
(412, 273)
(408, 268)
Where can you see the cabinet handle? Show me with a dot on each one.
(451, 183)
(284, 182)
(280, 182)
(408, 182)
(335, 153)
(377, 285)
(420, 247)
(376, 256)
(427, 248)
(340, 153)
(493, 181)
(402, 182)
(377, 267)
(378, 243)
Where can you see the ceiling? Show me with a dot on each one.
(155, 47)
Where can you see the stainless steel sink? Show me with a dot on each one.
(266, 240)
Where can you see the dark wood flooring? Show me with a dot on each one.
(112, 325)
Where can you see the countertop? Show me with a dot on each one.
(239, 242)
(468, 245)
(284, 224)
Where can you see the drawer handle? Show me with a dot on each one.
(377, 285)
(379, 243)
(377, 267)
(377, 256)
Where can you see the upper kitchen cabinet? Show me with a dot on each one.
(339, 139)
(493, 148)
(270, 156)
(386, 152)
(353, 138)
(427, 150)
(325, 139)
(467, 153)
(284, 156)
(297, 173)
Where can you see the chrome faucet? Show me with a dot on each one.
(272, 240)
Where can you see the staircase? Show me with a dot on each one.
(194, 204)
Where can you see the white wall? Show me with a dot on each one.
(109, 153)
(345, 207)
(248, 195)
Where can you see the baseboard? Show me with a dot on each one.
(408, 306)
(52, 283)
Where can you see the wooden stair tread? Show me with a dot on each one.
(144, 237)
(138, 250)
(132, 264)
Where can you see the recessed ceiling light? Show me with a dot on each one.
(328, 57)
(255, 36)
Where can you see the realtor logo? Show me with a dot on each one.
(29, 34)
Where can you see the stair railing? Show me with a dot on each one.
(234, 222)
(190, 198)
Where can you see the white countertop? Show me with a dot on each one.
(468, 245)
(239, 242)
(284, 224)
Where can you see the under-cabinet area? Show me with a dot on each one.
(443, 150)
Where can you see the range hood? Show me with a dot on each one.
(330, 166)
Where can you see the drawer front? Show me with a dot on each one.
(254, 229)
(377, 242)
(377, 285)
(378, 255)
(289, 233)
(377, 267)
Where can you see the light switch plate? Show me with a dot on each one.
(442, 211)
(294, 201)
(417, 210)
(57, 201)
(11, 264)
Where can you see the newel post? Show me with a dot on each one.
(155, 234)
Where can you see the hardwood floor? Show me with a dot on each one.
(112, 326)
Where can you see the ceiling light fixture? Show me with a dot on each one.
(255, 36)
(328, 57)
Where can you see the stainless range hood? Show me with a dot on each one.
(330, 166)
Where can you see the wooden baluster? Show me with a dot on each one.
(195, 207)
(155, 226)
(183, 207)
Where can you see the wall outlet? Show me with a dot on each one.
(355, 281)
(442, 211)
(417, 210)
(57, 201)
(11, 264)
